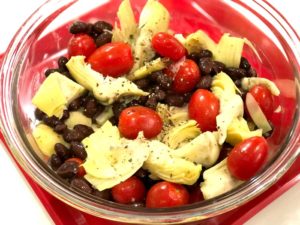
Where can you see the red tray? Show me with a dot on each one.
(63, 214)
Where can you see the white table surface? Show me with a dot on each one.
(19, 205)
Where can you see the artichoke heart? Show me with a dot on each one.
(56, 93)
(238, 131)
(163, 165)
(154, 18)
(46, 138)
(197, 41)
(111, 159)
(105, 89)
(181, 133)
(218, 180)
(203, 149)
(223, 83)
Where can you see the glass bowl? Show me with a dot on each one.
(44, 37)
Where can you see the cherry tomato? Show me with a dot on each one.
(185, 78)
(204, 107)
(130, 191)
(81, 44)
(166, 194)
(112, 59)
(264, 98)
(81, 171)
(134, 119)
(247, 157)
(168, 46)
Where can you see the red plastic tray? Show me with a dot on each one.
(63, 214)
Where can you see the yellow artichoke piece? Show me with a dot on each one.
(218, 180)
(229, 50)
(223, 83)
(181, 134)
(105, 89)
(112, 159)
(231, 107)
(238, 131)
(55, 94)
(161, 164)
(46, 138)
(128, 26)
(105, 115)
(154, 18)
(203, 149)
(197, 41)
(77, 117)
(249, 82)
(148, 68)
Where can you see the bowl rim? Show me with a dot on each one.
(114, 211)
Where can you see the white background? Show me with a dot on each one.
(19, 205)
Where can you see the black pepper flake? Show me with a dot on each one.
(130, 160)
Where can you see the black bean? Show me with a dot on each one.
(114, 121)
(101, 26)
(164, 81)
(89, 28)
(153, 76)
(49, 71)
(65, 115)
(60, 128)
(133, 102)
(149, 182)
(194, 56)
(39, 114)
(68, 169)
(206, 65)
(62, 63)
(78, 27)
(103, 38)
(51, 121)
(205, 53)
(174, 100)
(151, 102)
(141, 173)
(62, 151)
(238, 83)
(78, 150)
(142, 100)
(81, 184)
(84, 130)
(118, 107)
(236, 73)
(72, 135)
(218, 67)
(251, 72)
(244, 64)
(205, 82)
(75, 104)
(160, 95)
(55, 162)
(105, 194)
(90, 108)
(187, 96)
(100, 109)
(142, 83)
(225, 150)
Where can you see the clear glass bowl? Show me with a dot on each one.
(43, 38)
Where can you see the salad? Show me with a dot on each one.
(139, 115)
